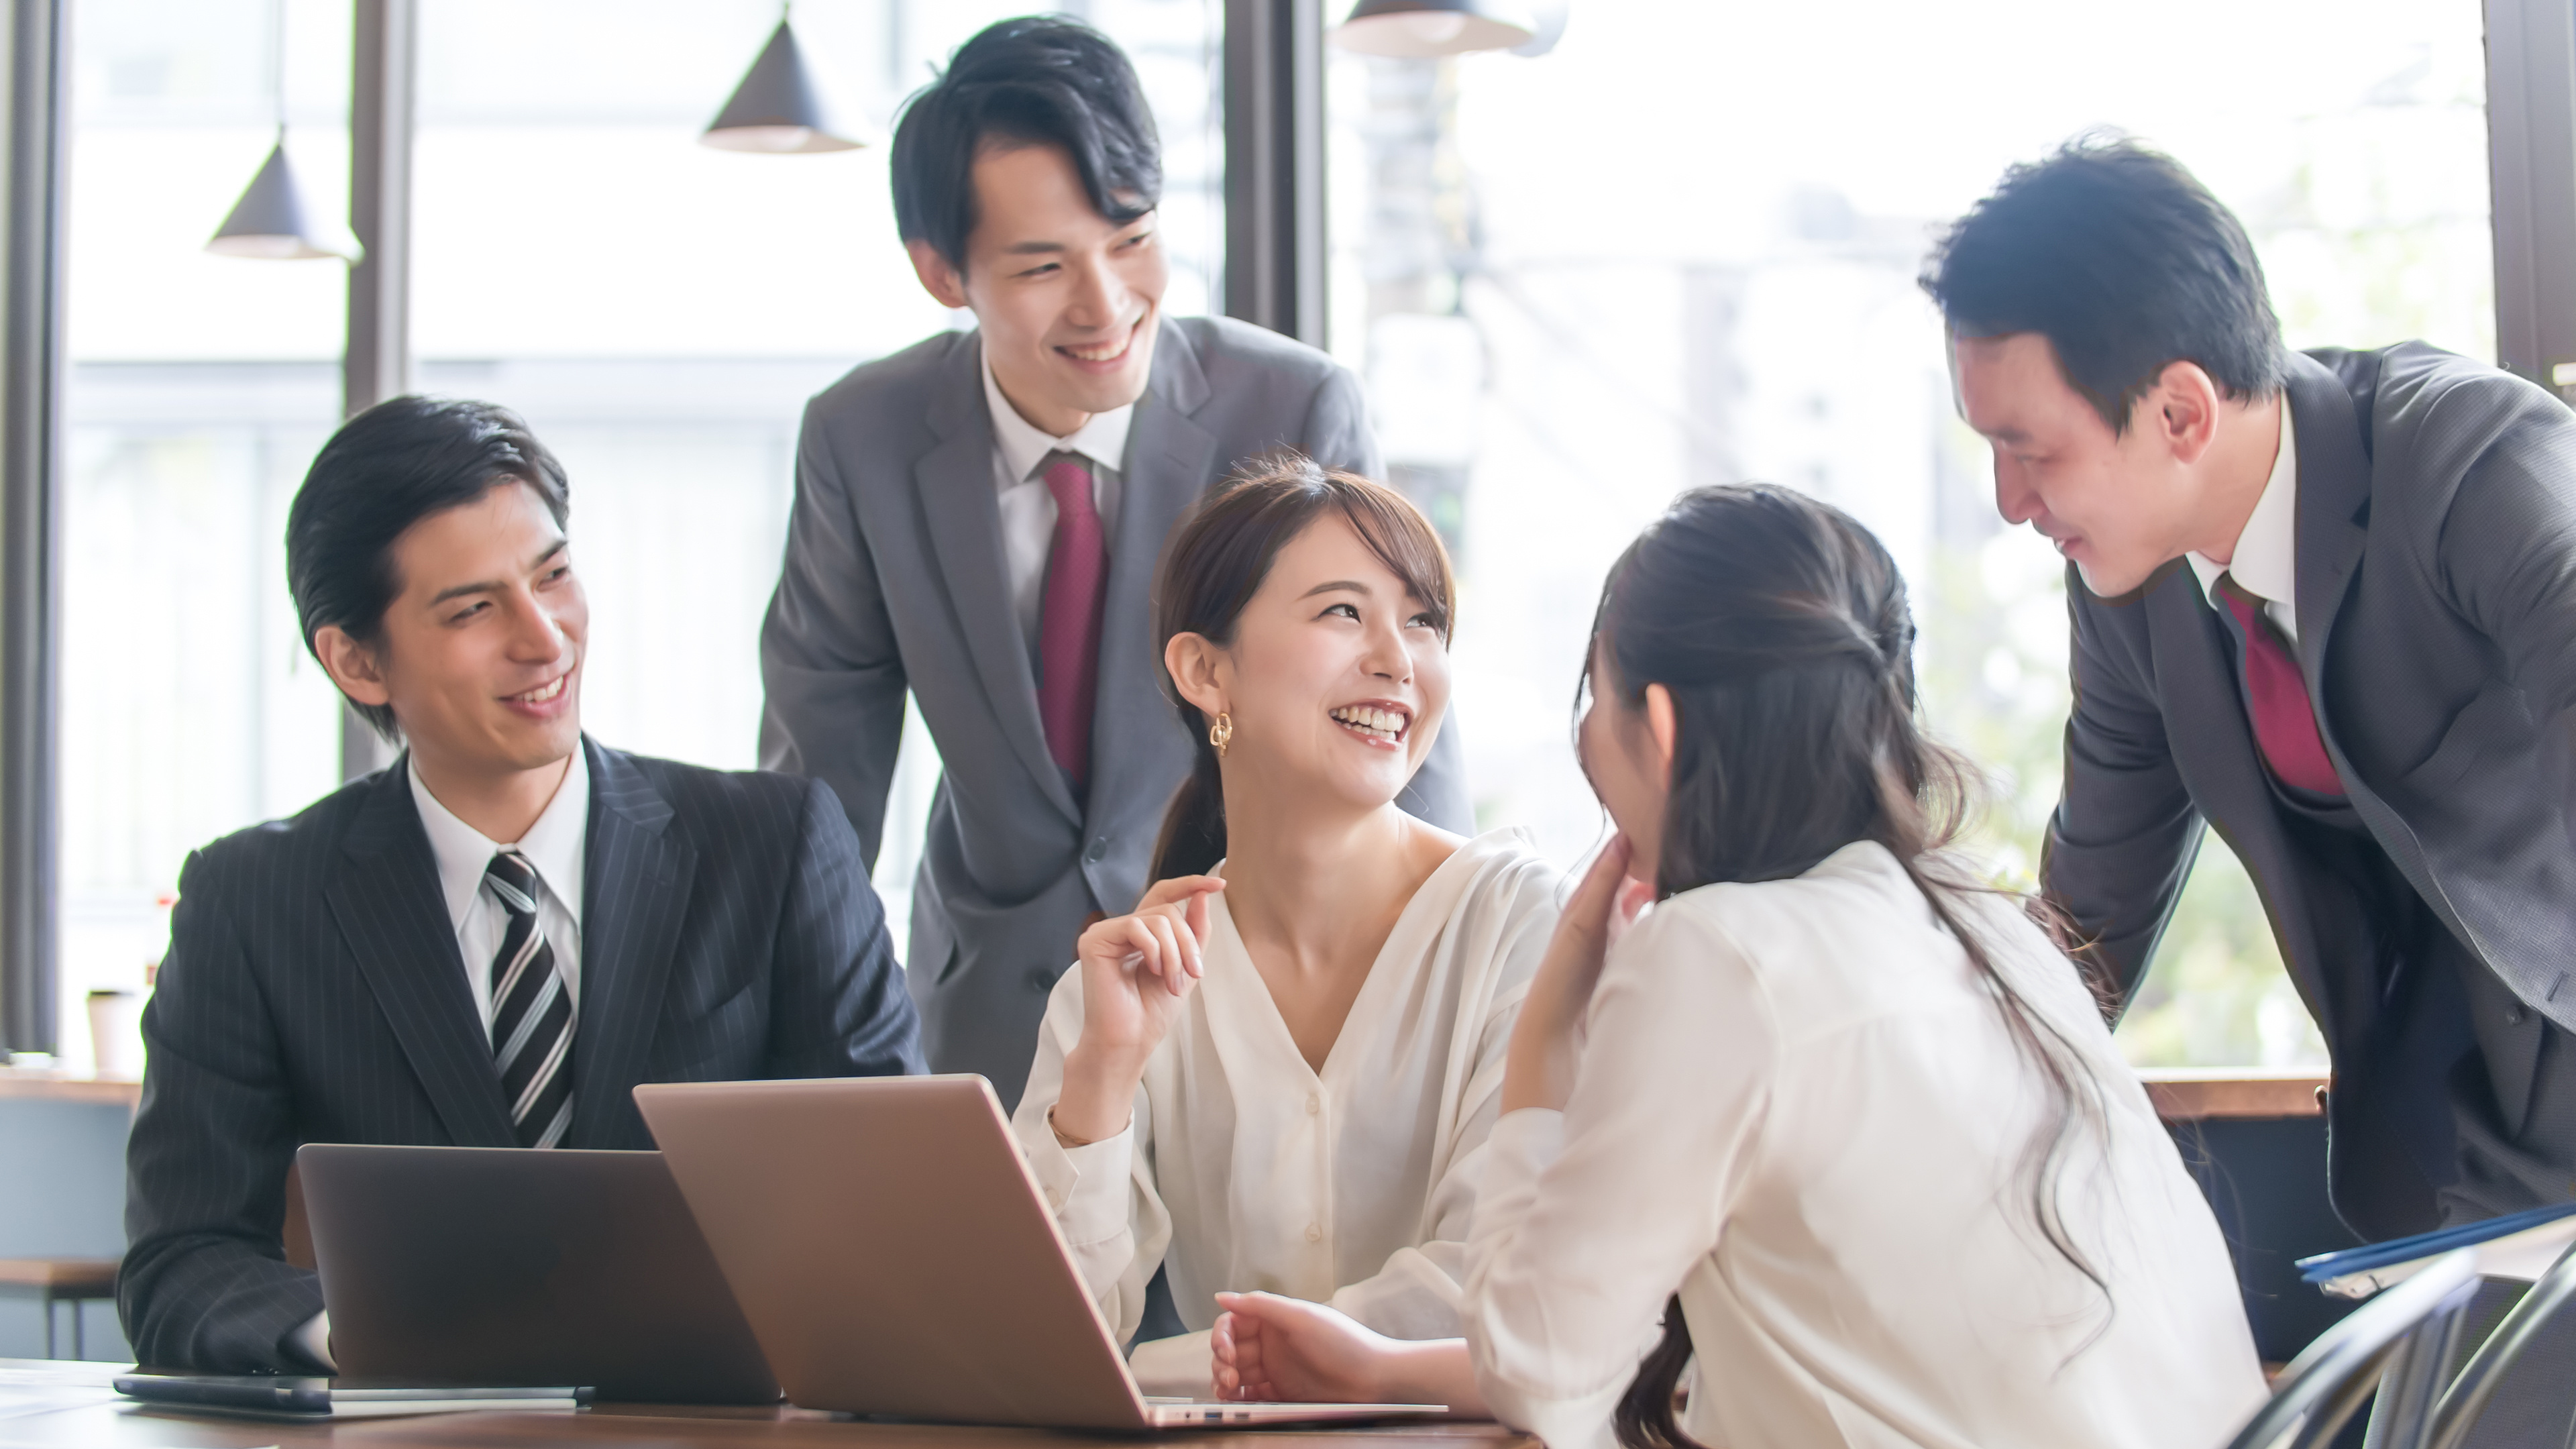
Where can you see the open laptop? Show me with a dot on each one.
(894, 1256)
(497, 1266)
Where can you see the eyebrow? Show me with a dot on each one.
(1034, 248)
(489, 585)
(1352, 586)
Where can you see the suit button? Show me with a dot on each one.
(2514, 1015)
(1098, 850)
(1041, 980)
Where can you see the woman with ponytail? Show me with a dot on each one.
(1842, 1121)
(1280, 1071)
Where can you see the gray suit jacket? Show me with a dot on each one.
(2437, 631)
(894, 580)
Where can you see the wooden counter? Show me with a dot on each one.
(2202, 1094)
(45, 1084)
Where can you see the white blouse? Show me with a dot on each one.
(1798, 1106)
(1246, 1169)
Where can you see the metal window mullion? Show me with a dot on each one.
(31, 525)
(376, 362)
(1274, 165)
(2531, 149)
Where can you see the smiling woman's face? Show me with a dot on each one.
(1336, 680)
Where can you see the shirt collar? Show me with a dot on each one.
(2266, 558)
(1025, 445)
(553, 845)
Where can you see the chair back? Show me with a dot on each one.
(2486, 1368)
(2331, 1378)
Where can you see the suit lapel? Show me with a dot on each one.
(2334, 503)
(384, 894)
(955, 480)
(1170, 462)
(635, 891)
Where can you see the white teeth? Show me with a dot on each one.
(1384, 723)
(540, 696)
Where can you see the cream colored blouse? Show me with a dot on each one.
(1798, 1107)
(1246, 1169)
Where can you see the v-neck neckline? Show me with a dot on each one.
(1257, 1000)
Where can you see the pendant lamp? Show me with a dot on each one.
(777, 108)
(269, 221)
(1422, 29)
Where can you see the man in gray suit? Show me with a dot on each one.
(978, 519)
(2327, 603)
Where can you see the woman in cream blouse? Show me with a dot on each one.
(1280, 1073)
(1847, 1124)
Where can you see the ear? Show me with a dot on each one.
(1197, 670)
(1666, 727)
(938, 277)
(351, 665)
(2183, 409)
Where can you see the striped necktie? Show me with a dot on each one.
(531, 1011)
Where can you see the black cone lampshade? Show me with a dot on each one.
(269, 221)
(1422, 29)
(777, 108)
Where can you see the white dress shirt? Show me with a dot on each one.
(557, 845)
(1246, 1169)
(2265, 562)
(1799, 1105)
(1028, 508)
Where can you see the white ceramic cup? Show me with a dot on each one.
(116, 1033)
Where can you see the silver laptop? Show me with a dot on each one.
(499, 1265)
(895, 1257)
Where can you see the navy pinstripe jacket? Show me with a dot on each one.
(313, 993)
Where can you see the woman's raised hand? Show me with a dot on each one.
(1136, 971)
(1539, 1069)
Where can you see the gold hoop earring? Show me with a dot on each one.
(1221, 734)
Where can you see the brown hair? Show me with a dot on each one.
(1780, 626)
(1216, 562)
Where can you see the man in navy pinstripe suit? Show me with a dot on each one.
(489, 943)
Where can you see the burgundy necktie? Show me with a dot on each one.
(2285, 726)
(1069, 627)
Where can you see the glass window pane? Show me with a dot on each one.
(1681, 249)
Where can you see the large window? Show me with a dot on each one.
(1682, 249)
(658, 310)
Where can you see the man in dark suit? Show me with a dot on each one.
(978, 519)
(492, 941)
(2327, 603)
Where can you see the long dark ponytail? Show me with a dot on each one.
(1780, 626)
(1216, 562)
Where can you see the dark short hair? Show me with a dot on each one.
(2124, 262)
(385, 470)
(1039, 80)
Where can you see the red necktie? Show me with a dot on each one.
(1069, 626)
(2285, 726)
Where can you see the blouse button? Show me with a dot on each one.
(1314, 1232)
(1314, 1103)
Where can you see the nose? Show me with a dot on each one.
(1099, 296)
(2015, 499)
(536, 636)
(1388, 656)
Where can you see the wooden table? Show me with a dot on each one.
(41, 1415)
(49, 1085)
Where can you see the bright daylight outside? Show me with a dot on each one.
(1576, 283)
(1561, 331)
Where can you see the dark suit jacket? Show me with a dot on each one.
(314, 992)
(2436, 535)
(894, 583)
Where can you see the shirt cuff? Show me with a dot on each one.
(1086, 1185)
(312, 1339)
